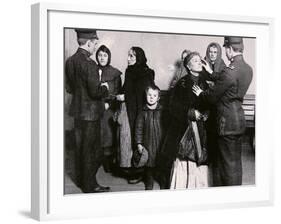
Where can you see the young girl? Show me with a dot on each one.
(111, 75)
(148, 132)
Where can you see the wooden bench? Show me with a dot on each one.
(249, 110)
(249, 106)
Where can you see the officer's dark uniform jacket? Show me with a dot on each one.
(230, 88)
(82, 81)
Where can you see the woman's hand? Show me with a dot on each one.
(105, 84)
(196, 90)
(106, 106)
(205, 116)
(211, 84)
(120, 97)
(198, 115)
(207, 67)
(140, 148)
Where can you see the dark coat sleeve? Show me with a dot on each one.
(215, 76)
(69, 76)
(213, 95)
(146, 81)
(222, 66)
(180, 101)
(126, 82)
(95, 90)
(117, 84)
(210, 77)
(191, 114)
(117, 88)
(139, 132)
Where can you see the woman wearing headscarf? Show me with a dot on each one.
(111, 75)
(186, 112)
(138, 77)
(214, 59)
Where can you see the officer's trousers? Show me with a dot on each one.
(228, 166)
(88, 153)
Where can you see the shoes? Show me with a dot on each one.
(135, 181)
(100, 189)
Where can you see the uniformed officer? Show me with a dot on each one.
(82, 81)
(228, 93)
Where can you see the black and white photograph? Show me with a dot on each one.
(157, 111)
(140, 112)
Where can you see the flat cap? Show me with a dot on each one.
(233, 41)
(86, 33)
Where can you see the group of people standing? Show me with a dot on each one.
(112, 122)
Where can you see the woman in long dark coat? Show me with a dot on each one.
(111, 75)
(138, 77)
(184, 107)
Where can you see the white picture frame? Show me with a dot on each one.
(48, 201)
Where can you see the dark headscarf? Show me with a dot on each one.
(219, 64)
(109, 73)
(140, 56)
(105, 49)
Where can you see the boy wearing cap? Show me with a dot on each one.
(82, 81)
(228, 93)
(148, 134)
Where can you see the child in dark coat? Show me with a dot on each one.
(148, 133)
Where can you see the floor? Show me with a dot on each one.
(118, 183)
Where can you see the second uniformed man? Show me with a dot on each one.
(228, 93)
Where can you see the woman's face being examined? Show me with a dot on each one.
(102, 58)
(195, 64)
(131, 57)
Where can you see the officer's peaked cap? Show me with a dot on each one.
(233, 41)
(86, 33)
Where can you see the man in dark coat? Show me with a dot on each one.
(228, 93)
(82, 81)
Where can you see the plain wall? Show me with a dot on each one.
(162, 50)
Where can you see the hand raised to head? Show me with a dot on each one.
(207, 67)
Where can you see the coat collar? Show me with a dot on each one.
(84, 52)
(187, 79)
(109, 72)
(159, 107)
(237, 58)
